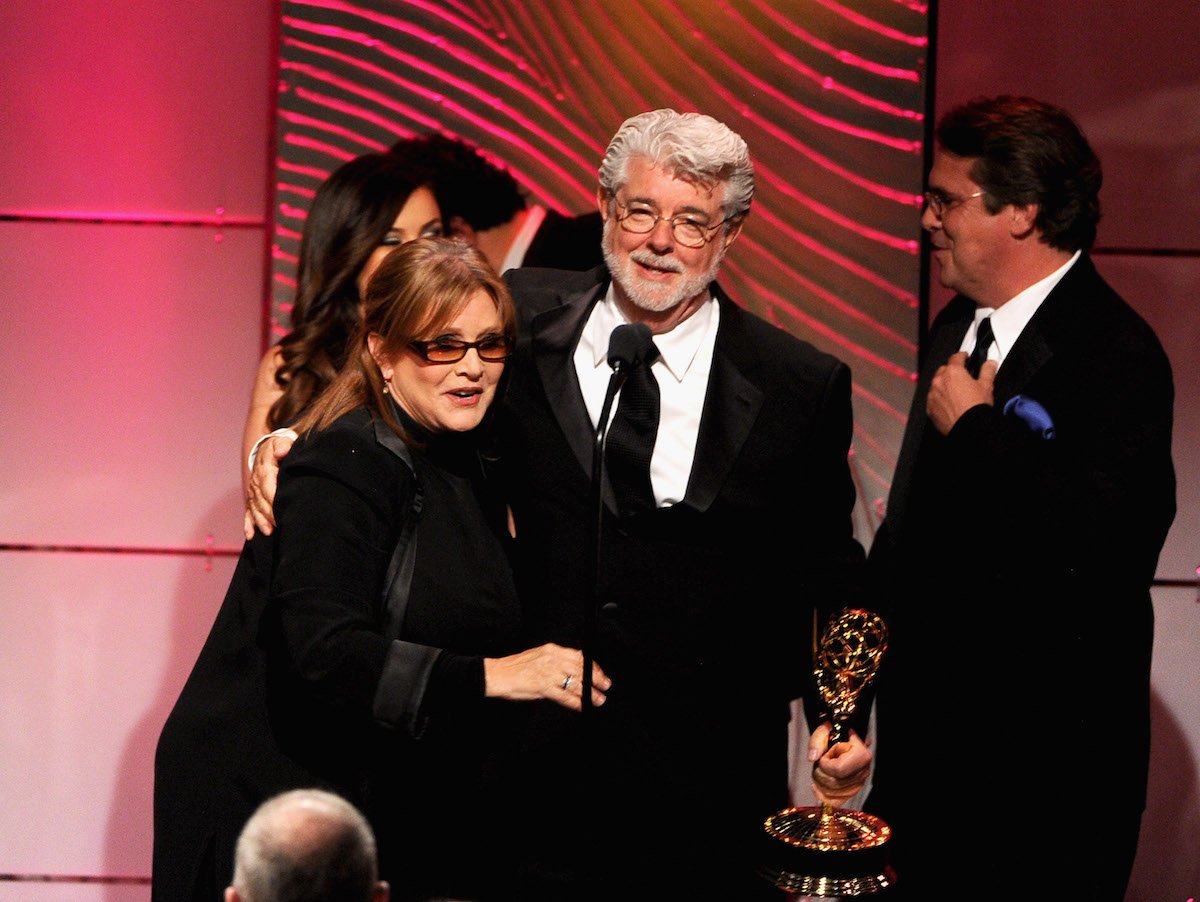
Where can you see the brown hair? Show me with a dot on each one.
(1027, 151)
(418, 289)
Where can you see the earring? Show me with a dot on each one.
(386, 380)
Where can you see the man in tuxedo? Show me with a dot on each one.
(482, 203)
(1031, 499)
(701, 596)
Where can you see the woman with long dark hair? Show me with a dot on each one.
(365, 209)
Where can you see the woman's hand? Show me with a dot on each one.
(260, 488)
(548, 671)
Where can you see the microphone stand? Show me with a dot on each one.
(615, 381)
(627, 348)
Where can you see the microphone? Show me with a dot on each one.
(629, 346)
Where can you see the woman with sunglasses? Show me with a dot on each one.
(370, 644)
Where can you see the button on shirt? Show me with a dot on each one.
(682, 369)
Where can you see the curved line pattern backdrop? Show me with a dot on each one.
(828, 95)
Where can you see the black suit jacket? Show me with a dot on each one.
(706, 608)
(1015, 573)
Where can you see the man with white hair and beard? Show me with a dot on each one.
(702, 597)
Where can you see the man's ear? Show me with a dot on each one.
(602, 203)
(1022, 218)
(231, 895)
(382, 892)
(735, 229)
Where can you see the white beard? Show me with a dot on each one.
(647, 295)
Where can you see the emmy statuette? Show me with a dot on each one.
(822, 850)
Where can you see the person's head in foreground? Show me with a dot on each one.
(306, 845)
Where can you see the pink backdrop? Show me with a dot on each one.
(139, 202)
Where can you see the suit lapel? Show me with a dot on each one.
(731, 405)
(388, 439)
(1028, 355)
(1034, 346)
(554, 335)
(944, 341)
(398, 582)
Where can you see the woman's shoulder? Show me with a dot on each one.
(348, 450)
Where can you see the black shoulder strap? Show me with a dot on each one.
(398, 582)
(401, 691)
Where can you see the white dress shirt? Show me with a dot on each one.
(685, 359)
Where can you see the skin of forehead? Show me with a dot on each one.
(655, 173)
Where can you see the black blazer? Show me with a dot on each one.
(311, 676)
(706, 607)
(1015, 572)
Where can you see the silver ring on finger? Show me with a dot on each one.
(567, 681)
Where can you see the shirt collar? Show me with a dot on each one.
(677, 349)
(1010, 319)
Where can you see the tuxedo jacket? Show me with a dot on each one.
(705, 609)
(1014, 570)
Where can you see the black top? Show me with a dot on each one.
(288, 689)
(567, 242)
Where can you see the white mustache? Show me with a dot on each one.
(649, 258)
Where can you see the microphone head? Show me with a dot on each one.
(630, 345)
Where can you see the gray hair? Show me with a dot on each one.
(690, 146)
(303, 846)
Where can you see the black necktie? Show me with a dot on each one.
(630, 440)
(983, 341)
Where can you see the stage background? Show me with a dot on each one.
(148, 195)
(829, 99)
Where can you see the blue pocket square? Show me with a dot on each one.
(1032, 414)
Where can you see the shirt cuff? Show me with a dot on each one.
(284, 432)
